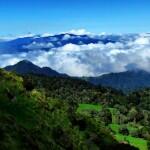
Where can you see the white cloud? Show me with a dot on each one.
(66, 37)
(70, 47)
(46, 35)
(8, 59)
(34, 45)
(142, 41)
(26, 35)
(89, 59)
(79, 32)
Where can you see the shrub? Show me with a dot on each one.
(124, 130)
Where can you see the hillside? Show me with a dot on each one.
(30, 120)
(114, 119)
(126, 81)
(73, 89)
(126, 116)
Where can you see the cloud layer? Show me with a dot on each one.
(129, 52)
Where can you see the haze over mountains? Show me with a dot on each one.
(92, 54)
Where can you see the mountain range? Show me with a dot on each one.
(43, 42)
(92, 54)
(126, 81)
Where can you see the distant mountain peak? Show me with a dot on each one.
(25, 61)
(27, 67)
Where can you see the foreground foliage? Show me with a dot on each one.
(29, 119)
(130, 113)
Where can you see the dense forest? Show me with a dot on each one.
(38, 112)
(126, 115)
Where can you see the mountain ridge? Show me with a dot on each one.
(27, 67)
(126, 81)
(26, 43)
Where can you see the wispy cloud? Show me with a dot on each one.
(79, 32)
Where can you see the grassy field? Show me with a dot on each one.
(137, 142)
(86, 107)
(113, 112)
(115, 128)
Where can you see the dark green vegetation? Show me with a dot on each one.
(128, 132)
(127, 117)
(35, 116)
(74, 90)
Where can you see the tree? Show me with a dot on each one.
(28, 84)
(124, 130)
(105, 115)
(132, 114)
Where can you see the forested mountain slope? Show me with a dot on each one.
(30, 120)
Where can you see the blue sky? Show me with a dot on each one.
(39, 16)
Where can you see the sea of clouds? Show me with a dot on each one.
(132, 51)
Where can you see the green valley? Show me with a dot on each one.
(115, 128)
